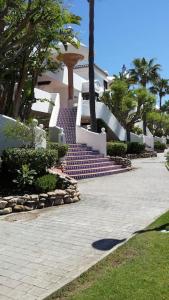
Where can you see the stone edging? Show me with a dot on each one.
(142, 155)
(70, 194)
(124, 162)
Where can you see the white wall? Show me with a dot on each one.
(162, 140)
(6, 142)
(95, 140)
(44, 106)
(102, 112)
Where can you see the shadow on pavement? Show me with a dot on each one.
(106, 244)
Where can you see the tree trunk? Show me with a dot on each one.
(145, 124)
(21, 82)
(160, 102)
(91, 67)
(128, 135)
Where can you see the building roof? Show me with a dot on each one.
(87, 65)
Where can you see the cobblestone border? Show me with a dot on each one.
(13, 204)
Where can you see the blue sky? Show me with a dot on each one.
(126, 29)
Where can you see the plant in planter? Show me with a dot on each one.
(46, 183)
(25, 177)
(116, 149)
(135, 148)
(158, 146)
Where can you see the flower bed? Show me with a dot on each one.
(28, 202)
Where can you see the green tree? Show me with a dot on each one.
(161, 88)
(30, 32)
(144, 72)
(165, 107)
(127, 105)
(158, 123)
(91, 67)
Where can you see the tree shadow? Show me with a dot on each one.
(106, 244)
(162, 227)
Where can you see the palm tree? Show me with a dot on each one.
(143, 73)
(91, 67)
(160, 88)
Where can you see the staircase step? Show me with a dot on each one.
(88, 165)
(77, 153)
(94, 170)
(67, 121)
(88, 161)
(98, 174)
(86, 157)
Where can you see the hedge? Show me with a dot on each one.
(159, 146)
(135, 148)
(116, 149)
(61, 148)
(38, 160)
(46, 183)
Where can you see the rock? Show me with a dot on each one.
(51, 194)
(3, 203)
(35, 197)
(43, 199)
(6, 211)
(20, 200)
(67, 200)
(77, 194)
(18, 208)
(44, 196)
(7, 198)
(72, 187)
(27, 197)
(41, 205)
(70, 191)
(31, 203)
(73, 181)
(75, 199)
(60, 193)
(58, 201)
(27, 208)
(52, 198)
(12, 202)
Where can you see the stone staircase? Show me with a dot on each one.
(82, 161)
(67, 121)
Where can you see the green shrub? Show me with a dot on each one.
(38, 160)
(116, 148)
(25, 177)
(159, 146)
(46, 183)
(159, 132)
(61, 148)
(137, 130)
(135, 148)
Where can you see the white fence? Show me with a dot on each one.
(95, 140)
(54, 130)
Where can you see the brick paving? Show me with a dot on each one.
(41, 251)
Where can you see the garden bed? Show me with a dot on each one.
(27, 202)
(142, 155)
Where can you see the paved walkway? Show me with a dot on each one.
(43, 250)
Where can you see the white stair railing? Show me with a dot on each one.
(95, 140)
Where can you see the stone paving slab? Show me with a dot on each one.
(41, 251)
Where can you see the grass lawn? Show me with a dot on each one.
(137, 270)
